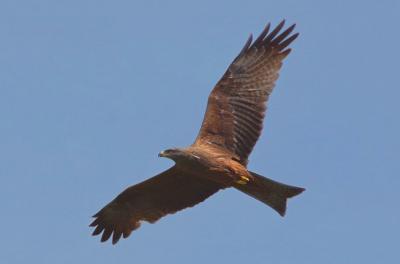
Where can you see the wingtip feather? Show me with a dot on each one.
(287, 42)
(106, 235)
(246, 45)
(274, 32)
(261, 37)
(116, 237)
(97, 230)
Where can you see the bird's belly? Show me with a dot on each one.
(223, 171)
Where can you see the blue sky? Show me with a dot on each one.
(91, 91)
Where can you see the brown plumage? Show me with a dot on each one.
(219, 156)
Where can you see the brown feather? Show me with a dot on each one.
(166, 193)
(237, 104)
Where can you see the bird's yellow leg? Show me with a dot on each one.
(243, 180)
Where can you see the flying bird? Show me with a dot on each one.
(218, 157)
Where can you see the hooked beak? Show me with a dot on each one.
(161, 154)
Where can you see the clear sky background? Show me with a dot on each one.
(91, 91)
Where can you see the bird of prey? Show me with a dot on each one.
(218, 157)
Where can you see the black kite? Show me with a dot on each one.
(218, 158)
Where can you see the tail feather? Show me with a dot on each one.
(272, 193)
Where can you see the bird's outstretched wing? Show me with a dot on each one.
(150, 200)
(237, 104)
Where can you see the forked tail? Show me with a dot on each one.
(272, 193)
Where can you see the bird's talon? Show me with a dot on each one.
(243, 180)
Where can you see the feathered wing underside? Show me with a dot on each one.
(166, 193)
(237, 104)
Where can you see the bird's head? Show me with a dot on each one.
(174, 154)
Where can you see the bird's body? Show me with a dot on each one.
(210, 162)
(218, 158)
